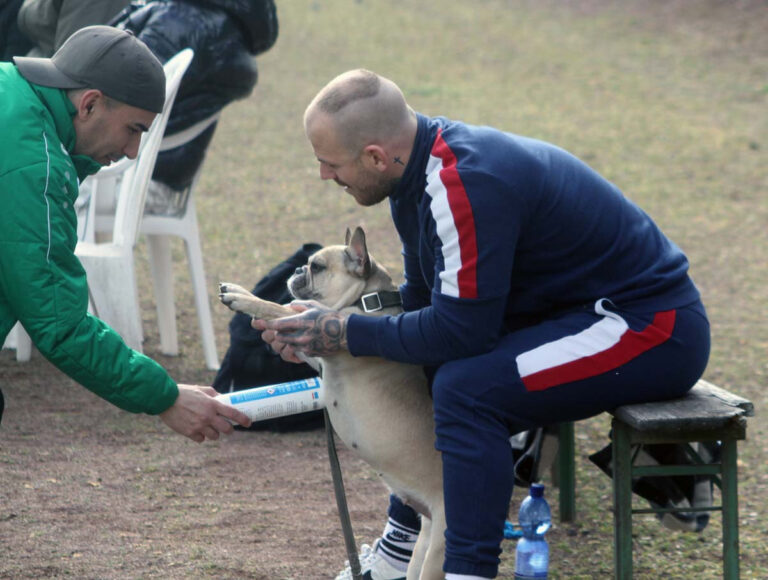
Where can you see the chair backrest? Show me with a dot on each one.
(165, 202)
(129, 179)
(130, 207)
(189, 134)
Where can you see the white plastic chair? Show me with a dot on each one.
(110, 265)
(158, 228)
(19, 340)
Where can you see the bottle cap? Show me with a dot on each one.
(537, 490)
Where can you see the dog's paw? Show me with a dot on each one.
(233, 296)
(230, 288)
(236, 302)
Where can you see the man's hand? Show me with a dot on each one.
(197, 415)
(316, 331)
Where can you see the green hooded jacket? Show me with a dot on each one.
(42, 283)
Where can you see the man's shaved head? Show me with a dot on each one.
(363, 107)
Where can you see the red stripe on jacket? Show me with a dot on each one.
(463, 219)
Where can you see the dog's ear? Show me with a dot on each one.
(357, 252)
(347, 237)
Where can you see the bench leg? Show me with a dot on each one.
(566, 472)
(622, 502)
(730, 502)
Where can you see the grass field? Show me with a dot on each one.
(668, 99)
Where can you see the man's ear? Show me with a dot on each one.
(87, 102)
(374, 157)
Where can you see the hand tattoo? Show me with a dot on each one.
(324, 332)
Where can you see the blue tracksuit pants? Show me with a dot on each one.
(571, 367)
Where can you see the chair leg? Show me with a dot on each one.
(730, 503)
(197, 274)
(161, 265)
(566, 472)
(19, 340)
(23, 345)
(622, 502)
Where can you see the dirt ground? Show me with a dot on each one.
(91, 492)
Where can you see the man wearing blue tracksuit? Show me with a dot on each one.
(535, 291)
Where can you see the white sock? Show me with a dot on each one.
(396, 544)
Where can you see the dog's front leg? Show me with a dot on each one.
(429, 551)
(419, 550)
(239, 299)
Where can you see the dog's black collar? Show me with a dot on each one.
(376, 301)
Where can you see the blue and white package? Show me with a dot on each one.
(271, 401)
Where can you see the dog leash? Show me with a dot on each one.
(341, 501)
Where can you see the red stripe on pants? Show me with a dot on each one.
(632, 344)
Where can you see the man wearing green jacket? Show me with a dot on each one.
(62, 119)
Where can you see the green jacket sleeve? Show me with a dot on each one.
(45, 287)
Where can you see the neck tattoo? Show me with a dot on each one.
(398, 160)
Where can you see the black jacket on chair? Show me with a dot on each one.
(225, 35)
(12, 40)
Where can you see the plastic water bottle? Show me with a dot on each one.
(271, 401)
(532, 555)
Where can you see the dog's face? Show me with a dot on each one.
(337, 276)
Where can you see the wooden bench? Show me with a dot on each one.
(706, 413)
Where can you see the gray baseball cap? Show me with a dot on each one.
(111, 60)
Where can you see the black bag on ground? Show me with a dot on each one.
(533, 452)
(673, 491)
(250, 362)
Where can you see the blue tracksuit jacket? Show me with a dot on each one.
(500, 231)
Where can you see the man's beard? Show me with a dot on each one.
(374, 194)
